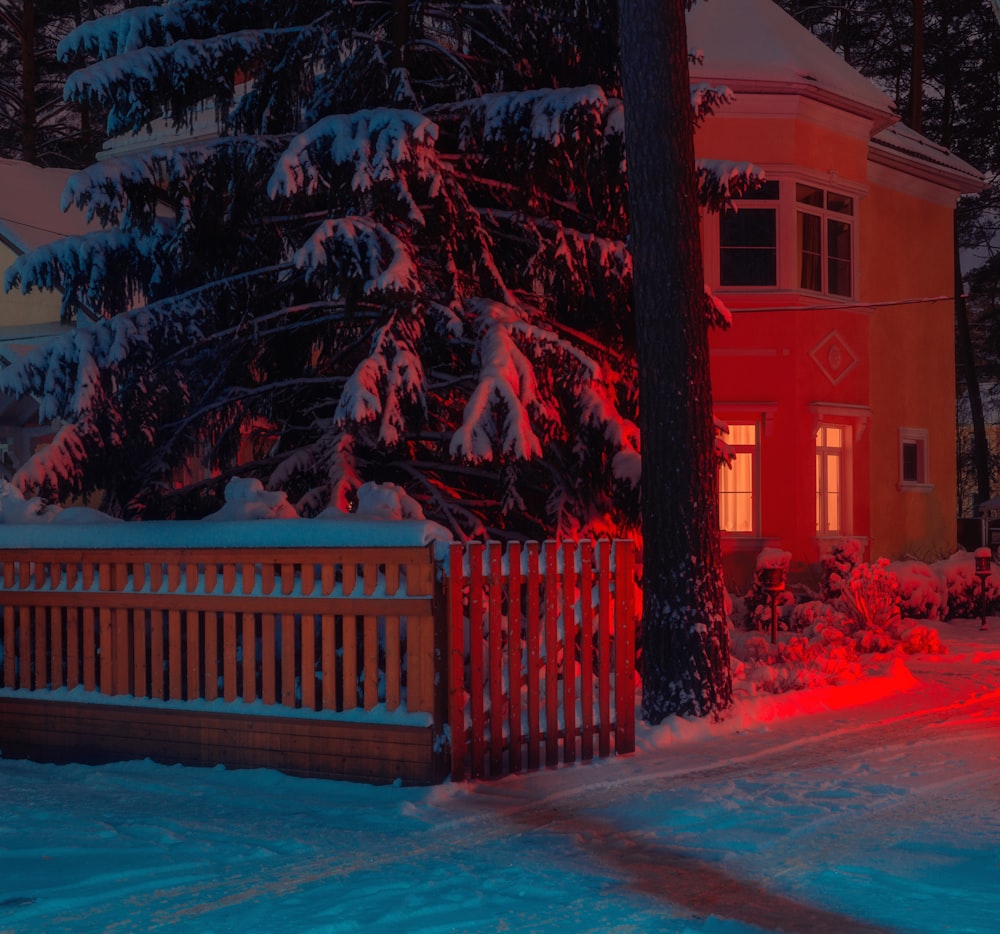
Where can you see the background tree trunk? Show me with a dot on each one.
(917, 68)
(29, 129)
(685, 647)
(967, 362)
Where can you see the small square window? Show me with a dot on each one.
(913, 461)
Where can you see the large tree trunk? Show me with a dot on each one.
(685, 643)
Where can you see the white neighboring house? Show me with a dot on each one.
(30, 217)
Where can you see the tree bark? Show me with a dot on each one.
(967, 362)
(29, 119)
(400, 31)
(685, 642)
(917, 68)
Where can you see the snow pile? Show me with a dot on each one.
(380, 501)
(246, 498)
(16, 510)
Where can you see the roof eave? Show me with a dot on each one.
(880, 117)
(962, 182)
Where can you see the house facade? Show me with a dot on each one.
(837, 377)
(30, 217)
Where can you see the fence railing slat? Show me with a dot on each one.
(534, 627)
(605, 615)
(552, 607)
(586, 651)
(456, 661)
(569, 650)
(307, 637)
(287, 624)
(496, 693)
(476, 647)
(350, 660)
(514, 676)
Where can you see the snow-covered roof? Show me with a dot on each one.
(30, 212)
(754, 45)
(900, 140)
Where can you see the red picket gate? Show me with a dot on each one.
(541, 654)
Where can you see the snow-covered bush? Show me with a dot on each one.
(922, 593)
(870, 595)
(757, 601)
(836, 566)
(964, 588)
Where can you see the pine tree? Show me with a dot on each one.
(402, 259)
(36, 124)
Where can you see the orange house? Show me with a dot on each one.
(837, 378)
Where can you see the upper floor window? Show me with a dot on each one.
(824, 224)
(790, 235)
(748, 239)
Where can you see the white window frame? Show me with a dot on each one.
(725, 472)
(753, 203)
(787, 239)
(846, 458)
(918, 438)
(826, 216)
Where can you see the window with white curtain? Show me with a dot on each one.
(824, 221)
(739, 482)
(831, 455)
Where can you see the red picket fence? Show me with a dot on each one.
(541, 654)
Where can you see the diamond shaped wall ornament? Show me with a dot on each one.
(834, 357)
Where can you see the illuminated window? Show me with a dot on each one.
(739, 482)
(748, 239)
(824, 226)
(831, 454)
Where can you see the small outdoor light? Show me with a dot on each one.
(984, 560)
(773, 581)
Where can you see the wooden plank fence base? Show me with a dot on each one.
(61, 732)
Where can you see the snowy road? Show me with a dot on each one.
(884, 816)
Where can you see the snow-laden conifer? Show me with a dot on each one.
(401, 257)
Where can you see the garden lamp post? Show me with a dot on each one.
(984, 558)
(773, 581)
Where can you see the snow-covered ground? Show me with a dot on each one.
(872, 806)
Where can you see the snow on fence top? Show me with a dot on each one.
(384, 519)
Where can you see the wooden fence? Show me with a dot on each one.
(338, 662)
(541, 653)
(297, 630)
